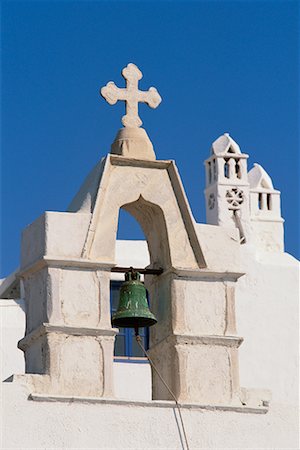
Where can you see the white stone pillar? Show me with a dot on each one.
(194, 344)
(220, 163)
(243, 169)
(232, 173)
(69, 338)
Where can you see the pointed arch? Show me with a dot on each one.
(259, 178)
(152, 220)
(152, 192)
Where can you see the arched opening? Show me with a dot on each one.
(226, 168)
(152, 221)
(238, 168)
(131, 250)
(231, 150)
(142, 225)
(260, 204)
(129, 227)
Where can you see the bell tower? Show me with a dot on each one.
(227, 186)
(265, 213)
(67, 260)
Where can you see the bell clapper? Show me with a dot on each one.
(133, 273)
(136, 330)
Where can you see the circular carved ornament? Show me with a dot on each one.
(235, 198)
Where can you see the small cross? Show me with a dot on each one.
(131, 95)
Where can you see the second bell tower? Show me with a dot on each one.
(227, 186)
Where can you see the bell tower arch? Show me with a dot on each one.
(163, 213)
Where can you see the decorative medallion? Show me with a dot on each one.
(235, 198)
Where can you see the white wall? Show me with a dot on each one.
(86, 425)
(267, 308)
(12, 324)
(267, 317)
(132, 381)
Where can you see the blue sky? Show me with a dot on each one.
(220, 66)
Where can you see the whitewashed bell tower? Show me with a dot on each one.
(227, 186)
(265, 212)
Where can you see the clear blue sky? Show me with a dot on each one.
(220, 66)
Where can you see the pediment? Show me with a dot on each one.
(259, 179)
(225, 145)
(153, 193)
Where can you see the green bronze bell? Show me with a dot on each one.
(133, 310)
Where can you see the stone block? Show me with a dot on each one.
(66, 233)
(54, 234)
(33, 244)
(197, 370)
(159, 289)
(80, 298)
(74, 359)
(80, 363)
(200, 305)
(36, 356)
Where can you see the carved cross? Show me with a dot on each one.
(131, 95)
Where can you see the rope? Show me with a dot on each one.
(139, 341)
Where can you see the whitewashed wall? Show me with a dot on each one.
(12, 322)
(267, 317)
(49, 425)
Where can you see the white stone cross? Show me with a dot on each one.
(131, 95)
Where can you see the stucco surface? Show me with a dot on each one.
(70, 425)
(12, 322)
(267, 308)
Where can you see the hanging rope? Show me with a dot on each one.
(139, 341)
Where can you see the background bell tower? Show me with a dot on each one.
(265, 212)
(227, 186)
